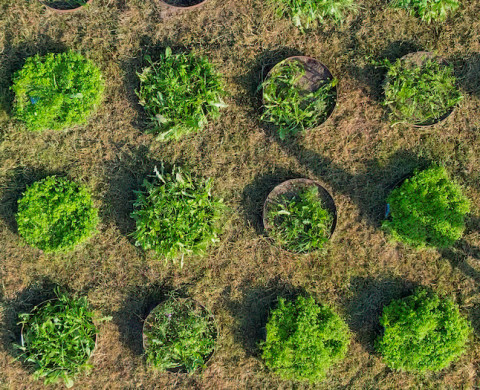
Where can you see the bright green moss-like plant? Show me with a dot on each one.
(180, 93)
(289, 106)
(420, 95)
(427, 210)
(179, 334)
(428, 10)
(56, 91)
(422, 332)
(304, 340)
(55, 214)
(301, 223)
(307, 14)
(58, 338)
(177, 215)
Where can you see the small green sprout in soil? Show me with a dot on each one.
(304, 340)
(307, 14)
(420, 94)
(177, 215)
(56, 91)
(300, 223)
(55, 214)
(289, 105)
(428, 10)
(179, 334)
(58, 338)
(180, 93)
(427, 210)
(422, 332)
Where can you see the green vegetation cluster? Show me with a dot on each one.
(428, 10)
(180, 93)
(179, 333)
(56, 91)
(56, 214)
(422, 332)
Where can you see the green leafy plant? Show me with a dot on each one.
(422, 332)
(58, 338)
(420, 94)
(304, 339)
(180, 93)
(55, 214)
(300, 223)
(177, 215)
(56, 91)
(307, 14)
(179, 333)
(289, 105)
(427, 210)
(428, 10)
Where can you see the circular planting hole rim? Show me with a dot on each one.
(65, 11)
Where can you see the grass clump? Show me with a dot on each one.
(58, 338)
(180, 93)
(179, 333)
(427, 210)
(307, 14)
(55, 214)
(56, 91)
(304, 339)
(289, 105)
(177, 215)
(300, 223)
(420, 95)
(428, 10)
(422, 332)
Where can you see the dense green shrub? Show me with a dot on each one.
(300, 223)
(304, 339)
(289, 106)
(55, 214)
(58, 338)
(306, 14)
(179, 334)
(427, 210)
(422, 332)
(180, 93)
(177, 215)
(428, 10)
(420, 94)
(56, 91)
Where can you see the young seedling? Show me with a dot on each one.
(428, 10)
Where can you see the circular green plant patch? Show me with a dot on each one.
(428, 10)
(58, 338)
(420, 89)
(304, 340)
(179, 334)
(180, 93)
(55, 214)
(56, 91)
(427, 210)
(422, 332)
(292, 101)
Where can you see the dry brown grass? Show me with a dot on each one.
(356, 154)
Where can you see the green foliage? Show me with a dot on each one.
(427, 210)
(289, 106)
(55, 214)
(56, 91)
(304, 340)
(307, 14)
(58, 338)
(300, 223)
(422, 332)
(420, 94)
(177, 215)
(180, 334)
(428, 10)
(180, 93)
